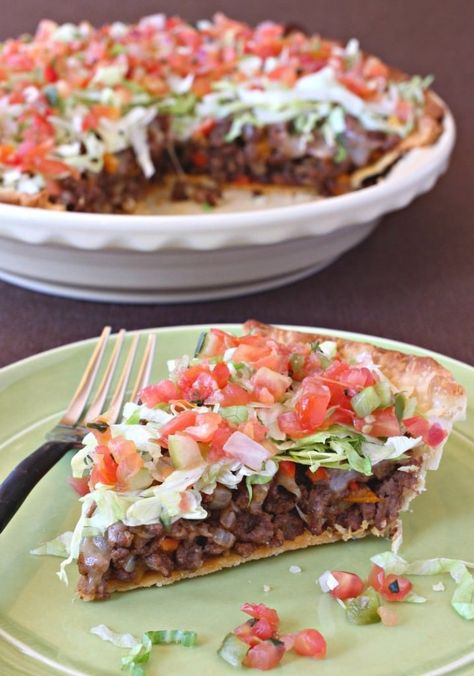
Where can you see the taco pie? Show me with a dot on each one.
(91, 119)
(260, 443)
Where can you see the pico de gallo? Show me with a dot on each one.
(259, 644)
(86, 111)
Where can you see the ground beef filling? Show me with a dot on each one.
(273, 515)
(271, 156)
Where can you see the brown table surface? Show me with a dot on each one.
(412, 280)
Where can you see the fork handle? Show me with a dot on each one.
(23, 478)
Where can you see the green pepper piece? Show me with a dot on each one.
(363, 609)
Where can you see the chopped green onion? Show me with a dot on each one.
(51, 93)
(400, 403)
(201, 342)
(176, 636)
(365, 402)
(233, 650)
(384, 392)
(363, 609)
(296, 362)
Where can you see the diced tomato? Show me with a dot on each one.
(288, 468)
(50, 74)
(436, 435)
(321, 474)
(254, 631)
(310, 643)
(261, 611)
(259, 353)
(179, 423)
(373, 67)
(289, 424)
(81, 486)
(288, 641)
(356, 84)
(416, 426)
(230, 395)
(284, 74)
(388, 616)
(161, 392)
(386, 423)
(350, 585)
(96, 113)
(197, 383)
(341, 415)
(216, 447)
(104, 469)
(312, 404)
(221, 374)
(128, 460)
(246, 634)
(358, 377)
(264, 656)
(254, 429)
(433, 435)
(396, 588)
(205, 426)
(376, 578)
(269, 386)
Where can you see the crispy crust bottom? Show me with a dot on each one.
(154, 579)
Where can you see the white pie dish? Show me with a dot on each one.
(173, 258)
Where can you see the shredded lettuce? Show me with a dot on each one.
(140, 650)
(393, 448)
(118, 640)
(463, 597)
(337, 448)
(58, 546)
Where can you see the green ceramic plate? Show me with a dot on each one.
(45, 630)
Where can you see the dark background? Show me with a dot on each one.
(412, 280)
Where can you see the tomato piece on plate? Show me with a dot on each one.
(376, 578)
(261, 611)
(350, 585)
(396, 588)
(266, 655)
(310, 643)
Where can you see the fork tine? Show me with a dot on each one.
(96, 405)
(112, 413)
(145, 367)
(78, 401)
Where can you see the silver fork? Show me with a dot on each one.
(72, 427)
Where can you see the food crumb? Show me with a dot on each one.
(266, 588)
(439, 586)
(294, 569)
